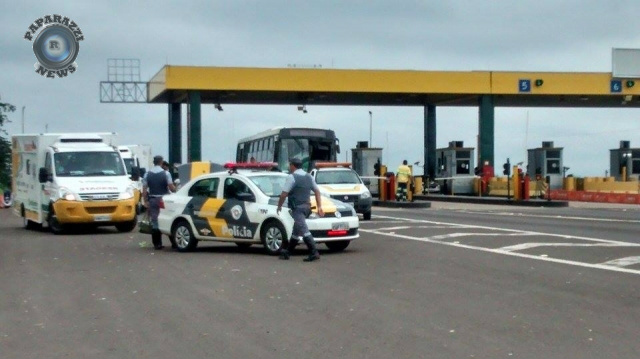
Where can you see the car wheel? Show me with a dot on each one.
(127, 226)
(183, 236)
(272, 235)
(366, 216)
(54, 225)
(337, 246)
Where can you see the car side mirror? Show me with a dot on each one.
(367, 182)
(246, 197)
(43, 175)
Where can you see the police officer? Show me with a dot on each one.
(296, 189)
(155, 184)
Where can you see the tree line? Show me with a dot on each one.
(5, 146)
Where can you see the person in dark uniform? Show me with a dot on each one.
(296, 189)
(155, 184)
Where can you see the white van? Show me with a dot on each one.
(71, 178)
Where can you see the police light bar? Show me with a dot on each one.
(250, 166)
(332, 164)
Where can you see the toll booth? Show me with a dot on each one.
(546, 161)
(363, 161)
(625, 162)
(454, 168)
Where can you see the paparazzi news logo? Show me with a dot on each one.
(55, 44)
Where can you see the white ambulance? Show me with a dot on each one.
(66, 179)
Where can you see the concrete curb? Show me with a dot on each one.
(493, 200)
(396, 204)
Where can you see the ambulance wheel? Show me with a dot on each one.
(272, 235)
(366, 216)
(52, 221)
(127, 226)
(337, 246)
(29, 224)
(183, 236)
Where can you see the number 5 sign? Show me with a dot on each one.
(524, 85)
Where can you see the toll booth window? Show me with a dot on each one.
(553, 166)
(463, 167)
(463, 154)
(553, 154)
(205, 188)
(635, 167)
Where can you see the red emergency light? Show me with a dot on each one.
(332, 164)
(250, 166)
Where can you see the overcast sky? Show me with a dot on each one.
(523, 35)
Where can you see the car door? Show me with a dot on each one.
(203, 207)
(239, 200)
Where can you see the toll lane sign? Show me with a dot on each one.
(616, 86)
(524, 85)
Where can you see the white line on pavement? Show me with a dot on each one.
(514, 254)
(622, 262)
(523, 246)
(591, 219)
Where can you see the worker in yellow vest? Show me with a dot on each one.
(403, 176)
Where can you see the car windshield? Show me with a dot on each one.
(269, 185)
(337, 177)
(84, 164)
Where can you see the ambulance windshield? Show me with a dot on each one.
(85, 164)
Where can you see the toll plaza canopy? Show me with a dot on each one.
(316, 86)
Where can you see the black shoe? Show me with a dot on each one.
(312, 257)
(284, 255)
(158, 247)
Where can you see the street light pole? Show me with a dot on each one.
(23, 118)
(370, 128)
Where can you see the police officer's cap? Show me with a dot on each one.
(296, 162)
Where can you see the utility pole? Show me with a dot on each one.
(370, 128)
(23, 118)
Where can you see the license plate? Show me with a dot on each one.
(102, 218)
(340, 226)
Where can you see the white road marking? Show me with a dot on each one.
(514, 254)
(591, 219)
(523, 246)
(520, 231)
(622, 262)
(392, 228)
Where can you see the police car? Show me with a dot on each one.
(338, 181)
(239, 206)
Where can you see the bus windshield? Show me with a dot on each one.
(281, 144)
(84, 164)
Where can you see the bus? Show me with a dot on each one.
(282, 143)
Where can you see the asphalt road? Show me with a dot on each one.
(451, 281)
